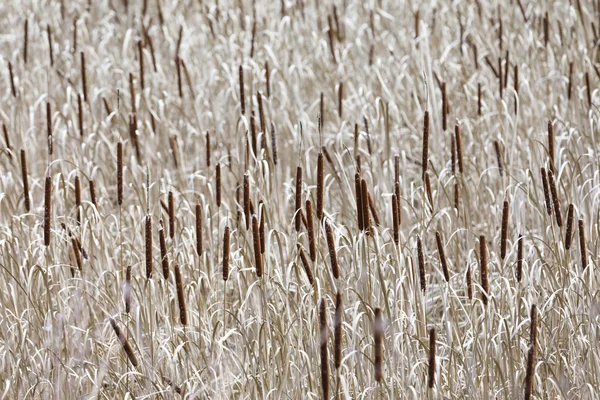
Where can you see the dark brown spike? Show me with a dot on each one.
(479, 99)
(207, 149)
(337, 324)
(516, 84)
(483, 265)
(589, 89)
(92, 192)
(330, 35)
(532, 354)
(199, 229)
(395, 223)
(50, 49)
(76, 252)
(312, 247)
(25, 40)
(242, 95)
(218, 188)
(365, 204)
(47, 210)
(273, 144)
(359, 205)
(442, 254)
(78, 199)
(398, 199)
(163, 252)
(25, 181)
(226, 238)
(504, 231)
(546, 191)
(551, 146)
(459, 148)
(148, 243)
(582, 246)
(298, 207)
(341, 99)
(324, 351)
(431, 361)
(421, 264)
(519, 258)
(49, 126)
(247, 200)
(120, 173)
(257, 252)
(368, 135)
(179, 77)
(570, 85)
(456, 195)
(180, 296)
(171, 215)
(499, 157)
(378, 330)
(141, 64)
(127, 291)
(124, 343)
(469, 283)
(555, 201)
(261, 226)
(444, 107)
(332, 252)
(13, 88)
(569, 232)
(83, 77)
(306, 265)
(268, 78)
(80, 115)
(320, 185)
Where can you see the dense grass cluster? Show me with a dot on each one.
(299, 199)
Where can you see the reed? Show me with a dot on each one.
(469, 281)
(199, 249)
(555, 201)
(297, 215)
(50, 48)
(164, 257)
(171, 215)
(519, 272)
(120, 173)
(47, 210)
(395, 219)
(13, 88)
(425, 159)
(127, 290)
(335, 269)
(359, 201)
(483, 265)
(148, 243)
(365, 206)
(242, 95)
(274, 144)
(84, 85)
(25, 179)
(442, 255)
(532, 354)
(78, 199)
(546, 191)
(92, 192)
(499, 157)
(320, 185)
(569, 232)
(49, 126)
(504, 231)
(247, 200)
(459, 148)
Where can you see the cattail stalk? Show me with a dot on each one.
(442, 254)
(257, 252)
(171, 215)
(532, 354)
(378, 336)
(180, 296)
(163, 252)
(148, 247)
(555, 201)
(428, 190)
(425, 159)
(25, 181)
(120, 173)
(324, 351)
(49, 126)
(483, 261)
(431, 370)
(312, 247)
(569, 233)
(546, 191)
(582, 246)
(47, 210)
(320, 185)
(332, 252)
(306, 265)
(504, 232)
(297, 215)
(570, 86)
(199, 229)
(226, 238)
(519, 258)
(124, 343)
(421, 264)
(459, 148)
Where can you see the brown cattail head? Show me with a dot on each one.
(337, 324)
(519, 258)
(546, 191)
(340, 99)
(78, 199)
(261, 226)
(273, 144)
(257, 252)
(141, 63)
(555, 201)
(442, 254)
(431, 371)
(570, 87)
(297, 215)
(242, 95)
(25, 180)
(444, 107)
(324, 352)
(306, 265)
(49, 126)
(396, 169)
(226, 235)
(569, 233)
(365, 206)
(320, 187)
(179, 79)
(247, 199)
(163, 252)
(312, 247)
(76, 252)
(80, 114)
(378, 336)
(12, 80)
(180, 296)
(582, 246)
(124, 343)
(83, 78)
(332, 252)
(398, 198)
(7, 140)
(459, 149)
(483, 261)
(589, 89)
(551, 146)
(50, 49)
(421, 264)
(25, 40)
(425, 160)
(469, 283)
(359, 201)
(120, 173)
(92, 192)
(532, 354)
(47, 210)
(198, 229)
(171, 215)
(127, 290)
(504, 232)
(479, 99)
(218, 189)
(148, 237)
(268, 78)
(499, 157)
(395, 220)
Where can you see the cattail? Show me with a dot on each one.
(50, 50)
(247, 200)
(12, 80)
(180, 296)
(428, 190)
(395, 223)
(551, 145)
(431, 371)
(569, 233)
(396, 169)
(365, 204)
(163, 252)
(378, 336)
(207, 149)
(532, 354)
(297, 216)
(330, 35)
(359, 205)
(83, 77)
(306, 265)
(78, 199)
(332, 252)
(442, 254)
(171, 215)
(570, 86)
(261, 227)
(49, 126)
(141, 63)
(124, 343)
(373, 209)
(498, 157)
(226, 253)
(25, 181)
(268, 78)
(456, 195)
(425, 160)
(257, 252)
(368, 135)
(80, 115)
(483, 260)
(459, 149)
(252, 40)
(76, 252)
(311, 233)
(337, 325)
(340, 99)
(242, 95)
(74, 35)
(148, 247)
(546, 191)
(479, 99)
(546, 36)
(444, 107)
(519, 258)
(179, 80)
(261, 113)
(469, 283)
(320, 186)
(321, 116)
(421, 264)
(582, 249)
(198, 229)
(500, 77)
(127, 291)
(92, 192)
(504, 232)
(47, 210)
(589, 89)
(25, 40)
(218, 189)
(324, 351)
(398, 198)
(516, 84)
(273, 144)
(120, 173)
(555, 202)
